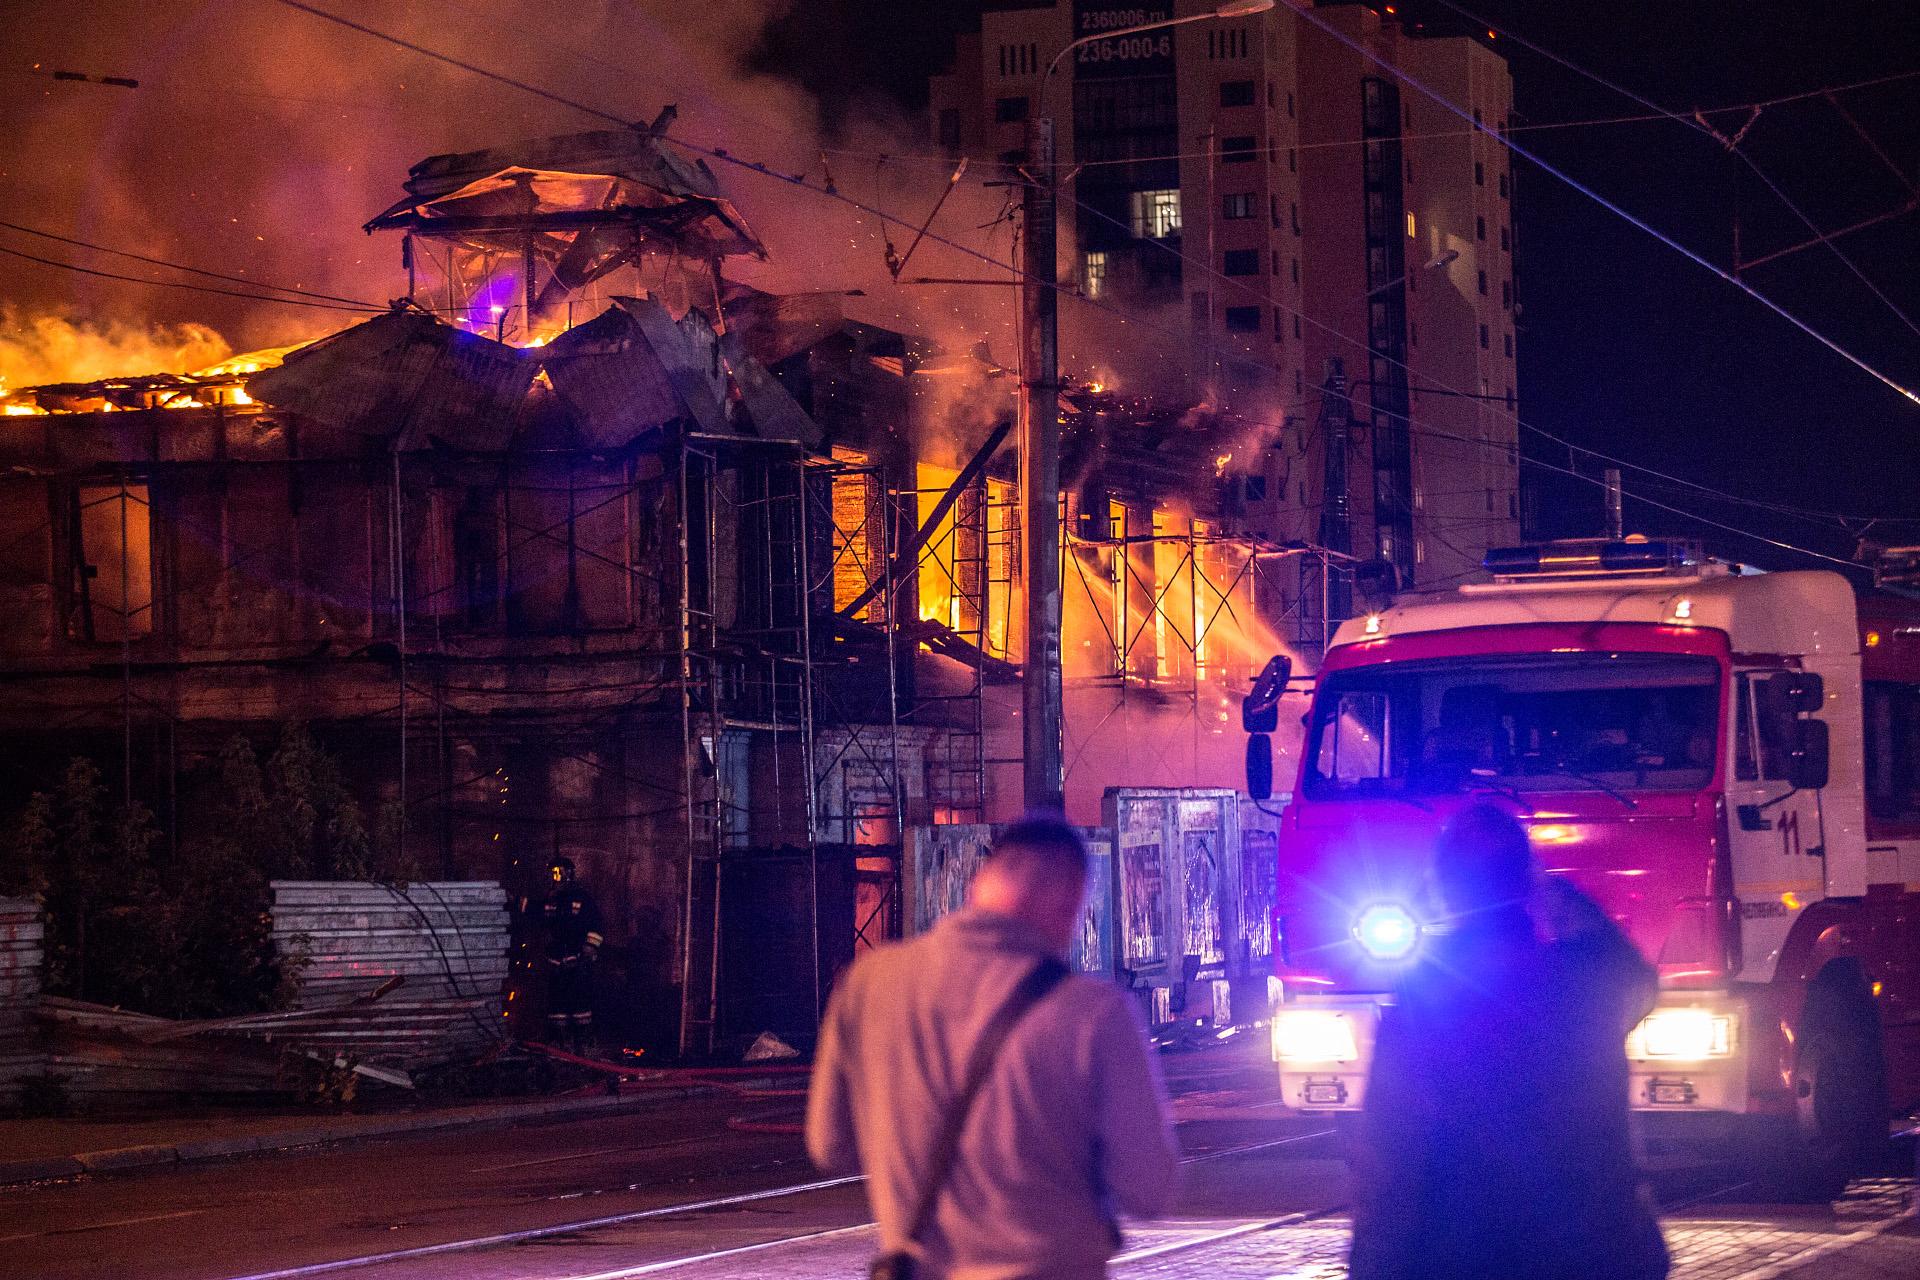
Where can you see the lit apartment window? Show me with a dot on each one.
(1156, 214)
(1236, 93)
(1238, 204)
(1243, 319)
(1241, 262)
(1413, 226)
(1093, 273)
(1010, 110)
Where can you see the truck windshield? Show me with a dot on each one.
(1532, 722)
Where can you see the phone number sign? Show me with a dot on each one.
(1147, 53)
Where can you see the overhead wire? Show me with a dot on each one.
(1020, 275)
(1492, 402)
(1699, 125)
(181, 266)
(1360, 47)
(181, 284)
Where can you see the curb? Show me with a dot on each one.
(158, 1155)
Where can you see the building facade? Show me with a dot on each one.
(1282, 193)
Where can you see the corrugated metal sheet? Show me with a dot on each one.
(22, 936)
(407, 378)
(775, 414)
(447, 939)
(618, 374)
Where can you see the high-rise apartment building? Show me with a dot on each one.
(1286, 201)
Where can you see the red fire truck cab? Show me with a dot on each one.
(1727, 761)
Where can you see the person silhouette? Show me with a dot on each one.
(1494, 1134)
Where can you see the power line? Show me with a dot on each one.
(1698, 124)
(1256, 292)
(1552, 170)
(452, 61)
(801, 182)
(181, 266)
(171, 284)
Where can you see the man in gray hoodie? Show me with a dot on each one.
(1070, 1127)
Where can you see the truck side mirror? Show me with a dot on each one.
(1260, 709)
(1260, 765)
(1798, 692)
(1807, 767)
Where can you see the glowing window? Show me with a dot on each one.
(1413, 227)
(1093, 273)
(1155, 214)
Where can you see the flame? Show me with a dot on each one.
(248, 362)
(1220, 464)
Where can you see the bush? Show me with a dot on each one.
(192, 938)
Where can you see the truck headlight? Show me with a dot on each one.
(1313, 1035)
(1682, 1035)
(1386, 931)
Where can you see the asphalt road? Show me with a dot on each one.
(677, 1190)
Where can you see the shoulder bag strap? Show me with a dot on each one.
(1044, 977)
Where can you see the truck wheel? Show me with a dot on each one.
(1839, 1123)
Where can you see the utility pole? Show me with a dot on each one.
(1039, 448)
(1616, 523)
(1044, 785)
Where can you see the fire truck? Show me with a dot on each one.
(1727, 761)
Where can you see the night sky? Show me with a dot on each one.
(1627, 347)
(261, 138)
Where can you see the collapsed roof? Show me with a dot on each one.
(411, 378)
(584, 203)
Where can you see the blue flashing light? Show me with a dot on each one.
(1386, 931)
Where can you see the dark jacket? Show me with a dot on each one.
(1494, 1140)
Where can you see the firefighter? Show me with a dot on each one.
(570, 925)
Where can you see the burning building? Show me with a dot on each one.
(713, 591)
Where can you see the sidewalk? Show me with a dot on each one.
(33, 1149)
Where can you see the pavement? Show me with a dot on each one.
(714, 1186)
(41, 1148)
